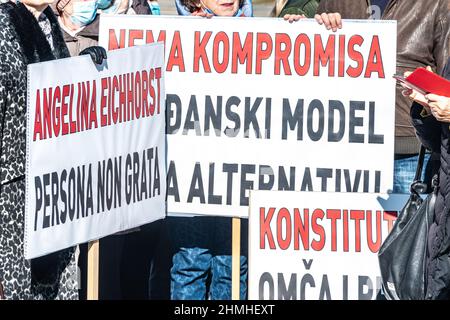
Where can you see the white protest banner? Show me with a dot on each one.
(259, 103)
(318, 246)
(95, 147)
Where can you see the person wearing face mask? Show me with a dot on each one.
(123, 272)
(200, 266)
(29, 33)
(79, 22)
(130, 7)
(138, 275)
(201, 246)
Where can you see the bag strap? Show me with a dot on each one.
(420, 161)
(417, 186)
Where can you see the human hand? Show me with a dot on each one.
(331, 21)
(439, 106)
(408, 73)
(293, 17)
(415, 95)
(97, 54)
(201, 13)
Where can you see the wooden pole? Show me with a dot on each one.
(236, 259)
(93, 265)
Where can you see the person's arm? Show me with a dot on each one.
(428, 129)
(439, 107)
(427, 113)
(441, 49)
(426, 125)
(300, 9)
(306, 8)
(2, 122)
(5, 73)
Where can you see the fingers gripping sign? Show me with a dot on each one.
(331, 21)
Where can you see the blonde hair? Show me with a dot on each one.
(279, 5)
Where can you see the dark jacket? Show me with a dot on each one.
(436, 136)
(306, 7)
(22, 42)
(423, 40)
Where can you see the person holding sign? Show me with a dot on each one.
(121, 271)
(201, 264)
(423, 39)
(431, 118)
(29, 33)
(80, 19)
(79, 23)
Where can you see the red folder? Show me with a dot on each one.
(428, 82)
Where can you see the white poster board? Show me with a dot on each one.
(95, 147)
(259, 103)
(318, 246)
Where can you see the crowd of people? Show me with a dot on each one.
(193, 260)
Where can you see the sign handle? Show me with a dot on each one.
(93, 266)
(236, 259)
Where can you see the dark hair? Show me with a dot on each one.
(194, 5)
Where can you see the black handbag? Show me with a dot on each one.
(403, 254)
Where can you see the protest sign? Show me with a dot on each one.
(95, 147)
(318, 246)
(259, 103)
